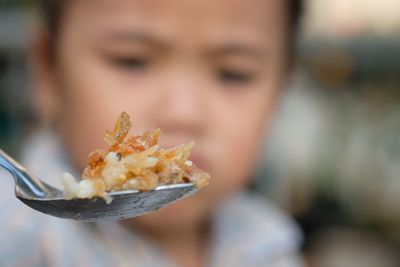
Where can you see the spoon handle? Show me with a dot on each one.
(28, 184)
(9, 163)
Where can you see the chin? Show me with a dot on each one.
(183, 214)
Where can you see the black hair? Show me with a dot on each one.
(52, 11)
(295, 12)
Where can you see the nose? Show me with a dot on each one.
(182, 107)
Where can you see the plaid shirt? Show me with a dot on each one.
(248, 231)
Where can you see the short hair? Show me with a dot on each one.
(52, 11)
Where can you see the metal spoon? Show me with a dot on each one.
(125, 204)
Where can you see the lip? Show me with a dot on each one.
(198, 161)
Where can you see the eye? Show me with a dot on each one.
(234, 76)
(131, 63)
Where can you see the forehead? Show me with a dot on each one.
(249, 19)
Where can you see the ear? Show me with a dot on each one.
(43, 65)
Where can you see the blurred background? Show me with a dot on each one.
(333, 156)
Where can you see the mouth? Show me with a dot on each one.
(199, 161)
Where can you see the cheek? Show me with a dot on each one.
(238, 136)
(91, 97)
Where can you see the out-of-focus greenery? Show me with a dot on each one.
(17, 3)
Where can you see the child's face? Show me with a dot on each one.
(206, 71)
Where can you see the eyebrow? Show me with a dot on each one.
(230, 48)
(136, 36)
(239, 49)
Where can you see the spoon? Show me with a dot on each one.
(125, 204)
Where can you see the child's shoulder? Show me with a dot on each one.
(260, 210)
(253, 226)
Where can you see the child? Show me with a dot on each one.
(206, 71)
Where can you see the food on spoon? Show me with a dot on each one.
(133, 162)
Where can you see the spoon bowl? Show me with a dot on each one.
(125, 204)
